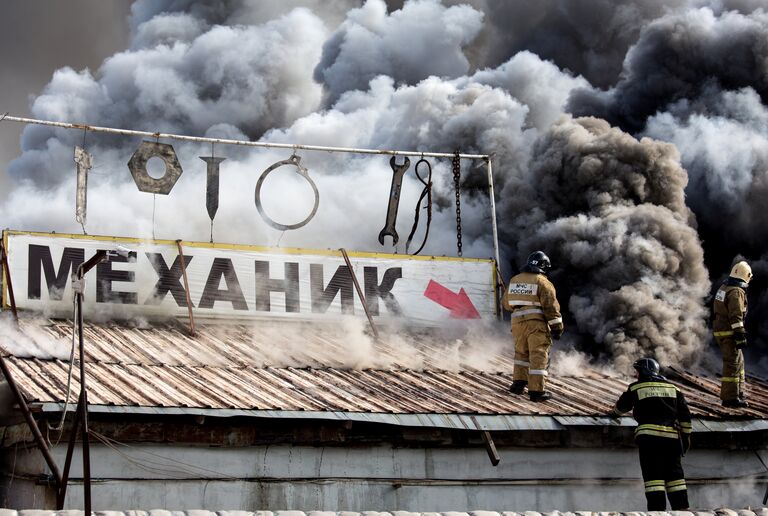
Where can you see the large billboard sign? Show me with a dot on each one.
(237, 282)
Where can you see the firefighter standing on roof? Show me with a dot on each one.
(536, 319)
(662, 435)
(730, 309)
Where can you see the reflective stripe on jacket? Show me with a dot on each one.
(730, 308)
(532, 296)
(658, 406)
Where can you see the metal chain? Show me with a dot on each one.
(457, 188)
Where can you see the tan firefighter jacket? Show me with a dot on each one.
(531, 296)
(730, 308)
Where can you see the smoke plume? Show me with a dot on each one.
(587, 37)
(698, 80)
(421, 39)
(182, 75)
(610, 211)
(675, 58)
(621, 213)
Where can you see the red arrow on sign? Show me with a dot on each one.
(460, 305)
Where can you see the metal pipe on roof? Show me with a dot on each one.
(186, 289)
(490, 446)
(61, 495)
(360, 293)
(97, 258)
(84, 407)
(30, 420)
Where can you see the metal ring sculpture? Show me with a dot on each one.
(302, 171)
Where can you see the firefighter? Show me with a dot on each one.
(662, 435)
(730, 309)
(536, 320)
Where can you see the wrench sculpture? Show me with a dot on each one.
(398, 171)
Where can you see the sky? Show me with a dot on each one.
(33, 46)
(628, 139)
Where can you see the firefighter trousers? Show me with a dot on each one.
(660, 462)
(532, 343)
(732, 381)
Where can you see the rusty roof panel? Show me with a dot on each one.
(247, 368)
(291, 389)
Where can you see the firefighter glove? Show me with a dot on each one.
(740, 338)
(557, 332)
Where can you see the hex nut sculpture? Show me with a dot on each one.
(138, 167)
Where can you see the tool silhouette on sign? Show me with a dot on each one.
(398, 171)
(138, 167)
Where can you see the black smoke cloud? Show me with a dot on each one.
(698, 80)
(610, 211)
(586, 37)
(677, 57)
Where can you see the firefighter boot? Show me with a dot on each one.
(518, 386)
(539, 396)
(737, 403)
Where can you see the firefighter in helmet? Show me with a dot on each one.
(662, 435)
(730, 309)
(536, 320)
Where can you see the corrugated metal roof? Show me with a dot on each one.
(222, 368)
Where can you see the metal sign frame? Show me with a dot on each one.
(269, 145)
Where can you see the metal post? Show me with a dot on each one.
(97, 258)
(84, 399)
(495, 227)
(359, 293)
(7, 272)
(492, 198)
(39, 440)
(501, 289)
(186, 289)
(62, 493)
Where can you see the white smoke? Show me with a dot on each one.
(422, 39)
(219, 75)
(721, 137)
(236, 12)
(33, 340)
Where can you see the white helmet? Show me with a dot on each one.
(742, 271)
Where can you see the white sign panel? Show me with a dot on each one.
(242, 281)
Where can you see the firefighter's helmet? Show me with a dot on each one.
(538, 262)
(647, 367)
(742, 271)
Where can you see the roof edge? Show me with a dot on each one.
(503, 422)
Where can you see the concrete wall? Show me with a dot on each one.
(307, 478)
